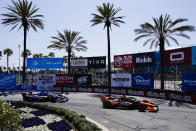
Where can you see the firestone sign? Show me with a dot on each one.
(144, 59)
(121, 80)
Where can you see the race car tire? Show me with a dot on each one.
(107, 105)
(53, 100)
(142, 107)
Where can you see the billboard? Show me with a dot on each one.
(121, 80)
(157, 57)
(177, 57)
(79, 63)
(123, 61)
(46, 81)
(44, 63)
(83, 79)
(189, 82)
(144, 59)
(97, 62)
(143, 81)
(193, 55)
(64, 79)
(7, 81)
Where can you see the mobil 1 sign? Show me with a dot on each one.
(189, 82)
(143, 81)
(144, 59)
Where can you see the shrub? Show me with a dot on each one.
(78, 121)
(9, 117)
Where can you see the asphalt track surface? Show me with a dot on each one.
(171, 117)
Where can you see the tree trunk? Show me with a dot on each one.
(69, 57)
(24, 57)
(162, 48)
(7, 63)
(109, 61)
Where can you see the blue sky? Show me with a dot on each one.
(76, 15)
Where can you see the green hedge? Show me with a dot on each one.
(9, 117)
(78, 121)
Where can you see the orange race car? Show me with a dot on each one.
(111, 101)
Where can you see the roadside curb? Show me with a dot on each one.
(98, 124)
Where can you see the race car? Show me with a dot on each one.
(43, 97)
(111, 101)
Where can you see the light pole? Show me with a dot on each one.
(19, 63)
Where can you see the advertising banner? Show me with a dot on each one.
(177, 57)
(26, 87)
(83, 79)
(160, 94)
(97, 62)
(7, 82)
(64, 79)
(157, 57)
(123, 61)
(143, 81)
(79, 63)
(144, 59)
(46, 81)
(121, 80)
(189, 82)
(193, 55)
(44, 63)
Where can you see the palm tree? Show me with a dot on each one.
(70, 41)
(23, 14)
(107, 16)
(40, 55)
(51, 55)
(163, 30)
(7, 52)
(45, 56)
(28, 53)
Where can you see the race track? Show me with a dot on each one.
(174, 117)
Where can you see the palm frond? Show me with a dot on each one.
(141, 36)
(166, 40)
(20, 11)
(183, 35)
(164, 29)
(173, 39)
(107, 13)
(184, 28)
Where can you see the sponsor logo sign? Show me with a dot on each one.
(64, 79)
(157, 57)
(144, 59)
(143, 80)
(193, 55)
(83, 79)
(7, 81)
(180, 56)
(46, 81)
(123, 61)
(97, 62)
(121, 80)
(79, 63)
(27, 87)
(44, 63)
(189, 81)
